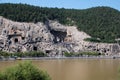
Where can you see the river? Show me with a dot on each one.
(76, 69)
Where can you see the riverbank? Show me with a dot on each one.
(50, 58)
(91, 57)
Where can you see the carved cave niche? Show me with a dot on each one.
(35, 48)
(23, 38)
(48, 51)
(59, 36)
(16, 40)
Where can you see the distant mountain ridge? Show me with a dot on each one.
(102, 23)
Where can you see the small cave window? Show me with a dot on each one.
(36, 39)
(99, 54)
(15, 32)
(16, 40)
(9, 42)
(47, 51)
(18, 50)
(35, 48)
(4, 31)
(23, 38)
(69, 35)
(1, 43)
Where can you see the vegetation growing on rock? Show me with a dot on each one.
(23, 54)
(81, 54)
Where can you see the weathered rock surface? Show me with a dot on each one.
(52, 38)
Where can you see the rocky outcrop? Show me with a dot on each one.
(51, 37)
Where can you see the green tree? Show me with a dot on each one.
(24, 71)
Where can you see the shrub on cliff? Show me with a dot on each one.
(67, 54)
(24, 71)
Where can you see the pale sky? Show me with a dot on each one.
(76, 4)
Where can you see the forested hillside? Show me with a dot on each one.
(102, 23)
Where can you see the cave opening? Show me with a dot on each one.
(23, 38)
(59, 36)
(16, 40)
(48, 51)
(35, 48)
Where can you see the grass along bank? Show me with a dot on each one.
(34, 55)
(81, 54)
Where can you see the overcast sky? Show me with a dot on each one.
(77, 4)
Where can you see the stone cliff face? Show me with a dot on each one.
(52, 38)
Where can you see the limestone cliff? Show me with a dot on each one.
(51, 37)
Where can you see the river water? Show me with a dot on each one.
(76, 69)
